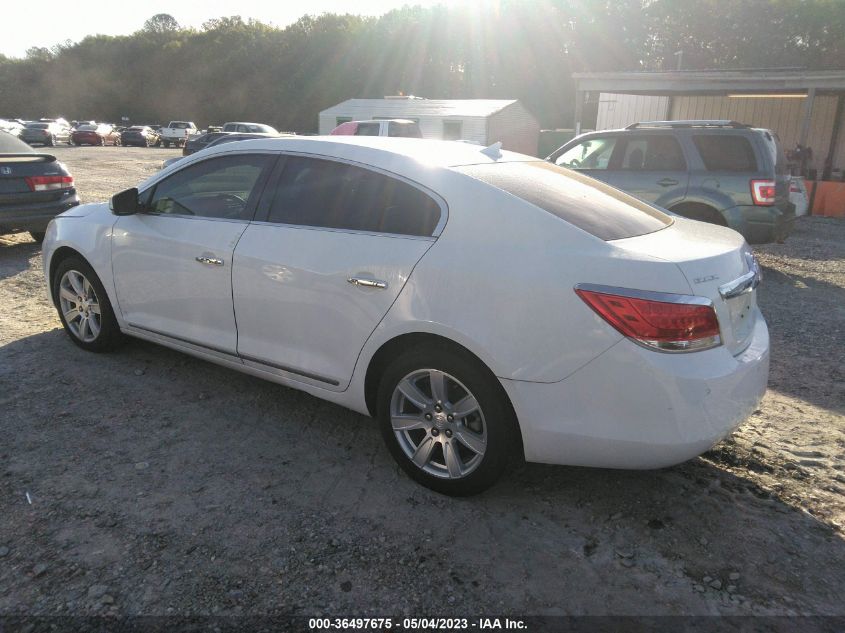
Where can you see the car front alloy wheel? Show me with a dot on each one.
(84, 307)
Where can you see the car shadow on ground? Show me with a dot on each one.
(802, 331)
(16, 251)
(145, 462)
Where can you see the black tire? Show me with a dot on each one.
(38, 236)
(166, 144)
(109, 336)
(50, 141)
(700, 212)
(468, 374)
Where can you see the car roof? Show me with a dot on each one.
(381, 151)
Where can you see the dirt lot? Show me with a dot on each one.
(161, 484)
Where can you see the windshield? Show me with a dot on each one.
(38, 126)
(87, 128)
(592, 206)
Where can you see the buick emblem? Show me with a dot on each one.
(5, 170)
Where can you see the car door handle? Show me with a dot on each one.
(367, 283)
(667, 182)
(212, 261)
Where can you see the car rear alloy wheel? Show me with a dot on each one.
(84, 307)
(446, 419)
(438, 423)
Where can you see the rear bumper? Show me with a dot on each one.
(35, 216)
(759, 224)
(635, 408)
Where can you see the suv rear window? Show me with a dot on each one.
(725, 152)
(592, 206)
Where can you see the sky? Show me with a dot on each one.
(73, 21)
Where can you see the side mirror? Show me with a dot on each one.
(125, 202)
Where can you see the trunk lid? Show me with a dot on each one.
(717, 264)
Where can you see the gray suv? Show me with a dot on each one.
(722, 172)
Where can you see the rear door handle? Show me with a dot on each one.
(367, 283)
(667, 182)
(212, 261)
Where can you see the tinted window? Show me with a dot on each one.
(593, 153)
(773, 146)
(407, 130)
(452, 130)
(588, 204)
(214, 188)
(322, 193)
(368, 129)
(652, 153)
(725, 152)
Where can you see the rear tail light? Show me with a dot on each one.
(48, 183)
(763, 192)
(665, 322)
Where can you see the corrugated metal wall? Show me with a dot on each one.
(516, 128)
(781, 115)
(619, 110)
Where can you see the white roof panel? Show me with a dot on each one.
(423, 107)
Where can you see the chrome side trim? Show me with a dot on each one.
(237, 357)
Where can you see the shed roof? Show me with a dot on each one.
(424, 107)
(772, 80)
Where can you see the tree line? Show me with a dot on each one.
(236, 69)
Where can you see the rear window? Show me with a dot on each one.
(725, 152)
(592, 206)
(38, 126)
(773, 146)
(11, 145)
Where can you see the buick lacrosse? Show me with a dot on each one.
(480, 304)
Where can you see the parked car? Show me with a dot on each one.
(197, 143)
(96, 134)
(721, 172)
(479, 303)
(12, 127)
(392, 127)
(45, 133)
(798, 195)
(249, 128)
(34, 188)
(225, 137)
(177, 133)
(140, 135)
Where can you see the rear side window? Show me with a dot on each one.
(592, 206)
(407, 130)
(725, 152)
(368, 129)
(328, 194)
(655, 152)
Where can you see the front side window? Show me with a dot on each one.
(405, 130)
(328, 194)
(593, 153)
(215, 188)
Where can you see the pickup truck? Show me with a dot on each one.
(177, 133)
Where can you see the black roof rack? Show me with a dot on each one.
(689, 123)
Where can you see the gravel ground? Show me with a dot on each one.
(148, 482)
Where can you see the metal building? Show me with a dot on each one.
(483, 121)
(803, 107)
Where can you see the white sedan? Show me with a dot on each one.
(481, 304)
